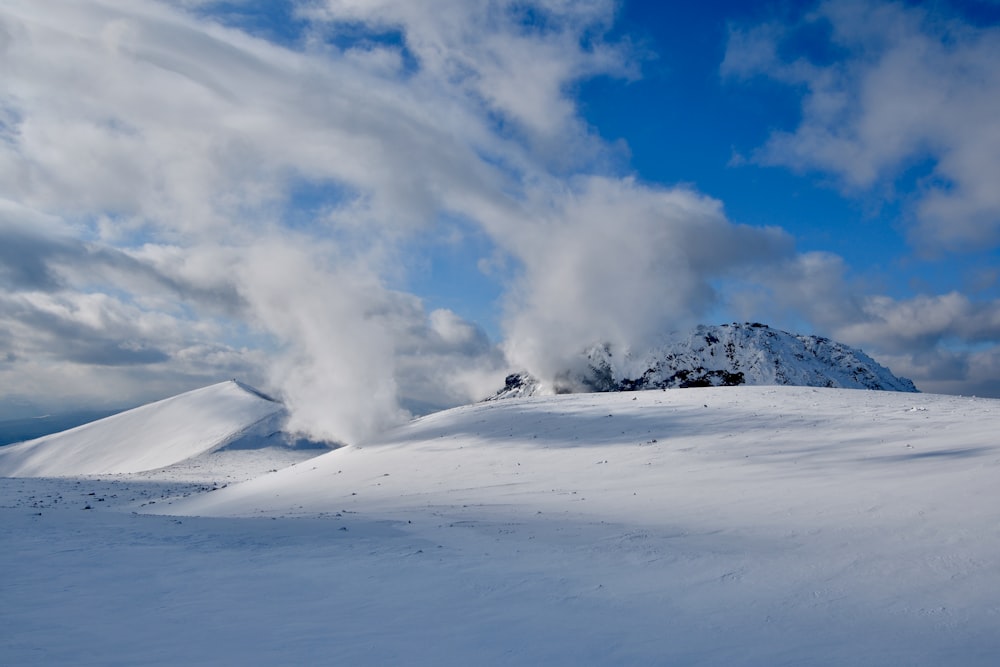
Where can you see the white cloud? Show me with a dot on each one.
(177, 146)
(615, 261)
(898, 86)
(907, 85)
(943, 342)
(922, 322)
(445, 361)
(181, 143)
(72, 349)
(517, 66)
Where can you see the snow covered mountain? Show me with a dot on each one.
(713, 526)
(726, 355)
(227, 415)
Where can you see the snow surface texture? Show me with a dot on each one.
(711, 526)
(151, 436)
(713, 356)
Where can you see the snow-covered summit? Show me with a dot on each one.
(149, 437)
(725, 355)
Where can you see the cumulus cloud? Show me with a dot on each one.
(55, 342)
(890, 87)
(59, 318)
(945, 343)
(24, 258)
(889, 90)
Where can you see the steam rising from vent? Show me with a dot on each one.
(353, 353)
(613, 261)
(335, 368)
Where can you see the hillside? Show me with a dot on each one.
(817, 526)
(711, 356)
(719, 526)
(145, 438)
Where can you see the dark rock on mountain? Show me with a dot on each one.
(713, 356)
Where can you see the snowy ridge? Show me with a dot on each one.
(152, 436)
(725, 355)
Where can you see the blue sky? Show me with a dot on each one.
(685, 122)
(415, 198)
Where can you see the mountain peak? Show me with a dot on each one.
(148, 437)
(750, 353)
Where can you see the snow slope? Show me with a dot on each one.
(710, 526)
(744, 525)
(726, 355)
(145, 438)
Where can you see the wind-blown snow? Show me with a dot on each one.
(716, 526)
(145, 438)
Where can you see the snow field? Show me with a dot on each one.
(725, 526)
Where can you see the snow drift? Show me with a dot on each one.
(148, 437)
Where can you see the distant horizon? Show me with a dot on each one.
(27, 426)
(21, 429)
(18, 429)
